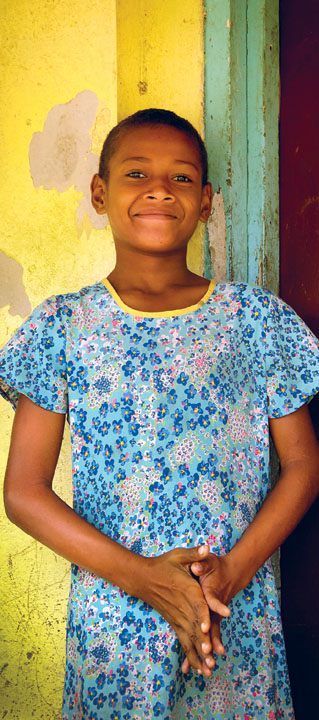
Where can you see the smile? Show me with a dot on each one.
(155, 213)
(155, 216)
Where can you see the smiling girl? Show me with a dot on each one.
(170, 384)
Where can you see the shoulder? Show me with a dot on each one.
(51, 318)
(63, 306)
(244, 301)
(247, 295)
(260, 308)
(244, 291)
(71, 300)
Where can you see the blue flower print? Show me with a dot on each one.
(100, 700)
(172, 396)
(113, 699)
(169, 425)
(128, 701)
(191, 391)
(158, 683)
(162, 434)
(125, 329)
(159, 709)
(182, 379)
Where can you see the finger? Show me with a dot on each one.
(195, 639)
(210, 662)
(203, 551)
(201, 635)
(199, 568)
(185, 666)
(193, 660)
(195, 554)
(217, 644)
(205, 626)
(216, 605)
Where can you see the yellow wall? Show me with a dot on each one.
(69, 70)
(160, 64)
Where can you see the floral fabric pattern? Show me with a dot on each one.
(170, 448)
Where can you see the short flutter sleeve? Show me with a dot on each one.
(33, 361)
(292, 359)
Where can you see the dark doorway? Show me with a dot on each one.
(299, 286)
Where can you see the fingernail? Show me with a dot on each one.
(199, 672)
(205, 647)
(210, 662)
(201, 550)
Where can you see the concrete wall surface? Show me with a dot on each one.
(59, 87)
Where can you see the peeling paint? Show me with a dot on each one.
(217, 238)
(60, 155)
(260, 276)
(12, 291)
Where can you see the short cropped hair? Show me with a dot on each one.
(150, 116)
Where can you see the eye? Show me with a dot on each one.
(135, 174)
(182, 178)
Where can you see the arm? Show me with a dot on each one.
(286, 504)
(298, 485)
(164, 582)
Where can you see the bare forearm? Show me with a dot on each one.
(284, 507)
(42, 514)
(164, 582)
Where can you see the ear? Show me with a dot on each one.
(98, 194)
(206, 202)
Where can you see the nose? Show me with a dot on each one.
(159, 190)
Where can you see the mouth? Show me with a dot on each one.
(154, 214)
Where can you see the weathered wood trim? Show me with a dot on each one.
(241, 131)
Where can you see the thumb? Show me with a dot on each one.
(199, 568)
(196, 554)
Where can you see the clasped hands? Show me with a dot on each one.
(193, 607)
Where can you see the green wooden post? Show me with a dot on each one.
(241, 131)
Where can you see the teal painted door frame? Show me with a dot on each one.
(241, 132)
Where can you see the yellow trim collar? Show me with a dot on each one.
(163, 313)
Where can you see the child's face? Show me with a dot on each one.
(153, 196)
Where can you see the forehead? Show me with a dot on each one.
(151, 141)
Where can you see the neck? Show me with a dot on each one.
(150, 273)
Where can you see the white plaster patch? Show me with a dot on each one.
(60, 156)
(12, 291)
(217, 238)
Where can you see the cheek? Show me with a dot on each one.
(194, 208)
(117, 205)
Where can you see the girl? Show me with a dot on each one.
(170, 385)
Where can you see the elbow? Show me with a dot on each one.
(10, 505)
(16, 504)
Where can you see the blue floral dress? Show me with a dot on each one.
(169, 425)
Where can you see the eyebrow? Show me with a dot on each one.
(145, 159)
(129, 159)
